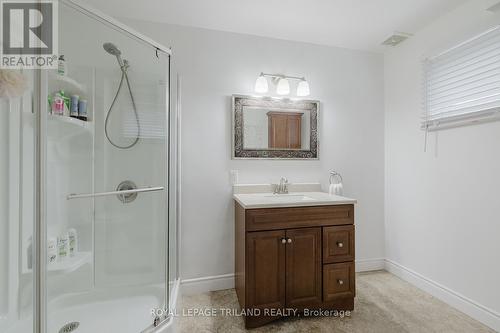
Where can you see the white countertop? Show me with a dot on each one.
(307, 195)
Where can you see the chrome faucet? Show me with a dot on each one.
(282, 188)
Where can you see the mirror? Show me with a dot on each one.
(275, 128)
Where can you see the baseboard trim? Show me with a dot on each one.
(207, 283)
(473, 309)
(367, 265)
(226, 281)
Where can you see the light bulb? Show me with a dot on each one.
(261, 86)
(303, 88)
(283, 87)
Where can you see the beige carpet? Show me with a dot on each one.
(384, 303)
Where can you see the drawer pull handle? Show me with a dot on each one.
(289, 240)
(283, 241)
(340, 244)
(341, 282)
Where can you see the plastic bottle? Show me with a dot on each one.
(62, 246)
(51, 250)
(73, 242)
(61, 66)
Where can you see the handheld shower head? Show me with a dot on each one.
(113, 50)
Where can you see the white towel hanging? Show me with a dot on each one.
(336, 187)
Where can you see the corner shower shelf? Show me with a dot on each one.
(61, 82)
(68, 265)
(68, 126)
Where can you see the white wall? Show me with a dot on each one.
(442, 207)
(215, 65)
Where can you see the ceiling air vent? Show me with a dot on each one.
(396, 39)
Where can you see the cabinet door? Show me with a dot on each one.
(294, 136)
(303, 267)
(265, 269)
(278, 132)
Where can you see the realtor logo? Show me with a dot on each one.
(28, 34)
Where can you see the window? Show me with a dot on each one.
(463, 83)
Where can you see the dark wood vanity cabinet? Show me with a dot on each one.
(298, 258)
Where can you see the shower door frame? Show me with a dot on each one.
(40, 110)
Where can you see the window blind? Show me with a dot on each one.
(463, 83)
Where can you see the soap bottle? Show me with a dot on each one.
(51, 250)
(29, 253)
(73, 242)
(61, 66)
(66, 104)
(62, 246)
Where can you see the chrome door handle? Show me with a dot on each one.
(102, 194)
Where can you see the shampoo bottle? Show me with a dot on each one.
(73, 242)
(62, 246)
(51, 250)
(61, 66)
(29, 253)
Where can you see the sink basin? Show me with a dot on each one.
(289, 197)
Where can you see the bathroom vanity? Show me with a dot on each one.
(293, 251)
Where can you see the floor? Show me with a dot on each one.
(384, 303)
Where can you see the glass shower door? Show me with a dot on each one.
(17, 163)
(107, 252)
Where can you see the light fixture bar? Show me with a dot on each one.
(281, 76)
(282, 84)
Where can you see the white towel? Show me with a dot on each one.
(336, 189)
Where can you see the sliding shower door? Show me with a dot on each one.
(107, 252)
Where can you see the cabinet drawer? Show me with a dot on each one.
(298, 217)
(338, 244)
(338, 281)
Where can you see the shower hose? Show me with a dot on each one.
(124, 69)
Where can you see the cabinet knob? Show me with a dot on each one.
(341, 282)
(340, 244)
(289, 240)
(283, 241)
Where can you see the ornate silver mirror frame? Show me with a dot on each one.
(241, 101)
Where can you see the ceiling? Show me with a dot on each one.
(354, 24)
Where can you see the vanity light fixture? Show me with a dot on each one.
(283, 87)
(282, 84)
(261, 85)
(303, 88)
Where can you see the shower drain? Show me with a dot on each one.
(69, 327)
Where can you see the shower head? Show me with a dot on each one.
(113, 50)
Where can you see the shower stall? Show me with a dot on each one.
(88, 187)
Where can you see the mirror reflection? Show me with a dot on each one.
(274, 128)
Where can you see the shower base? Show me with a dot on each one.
(120, 311)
